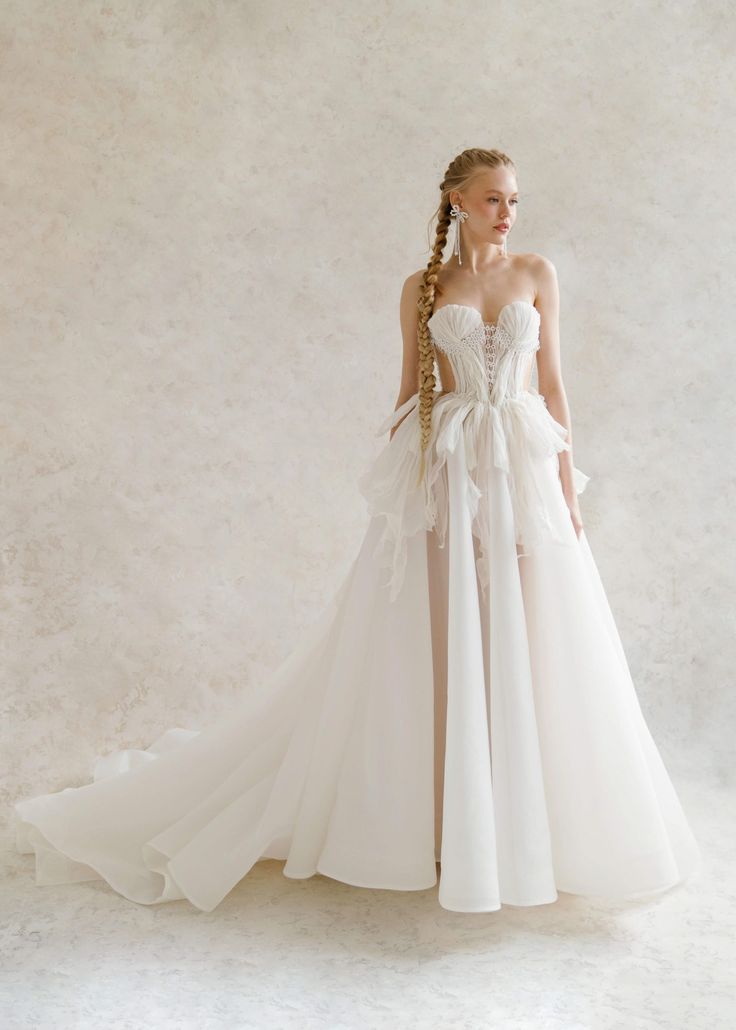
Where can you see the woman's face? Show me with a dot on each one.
(490, 201)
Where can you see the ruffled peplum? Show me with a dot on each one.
(517, 436)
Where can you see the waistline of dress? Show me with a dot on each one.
(464, 397)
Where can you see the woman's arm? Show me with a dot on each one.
(549, 373)
(409, 319)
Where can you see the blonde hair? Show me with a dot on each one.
(458, 176)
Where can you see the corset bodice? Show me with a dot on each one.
(488, 360)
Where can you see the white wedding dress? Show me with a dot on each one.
(463, 698)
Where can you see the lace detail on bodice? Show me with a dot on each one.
(488, 360)
(495, 341)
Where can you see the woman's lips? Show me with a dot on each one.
(501, 228)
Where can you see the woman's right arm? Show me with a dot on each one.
(409, 319)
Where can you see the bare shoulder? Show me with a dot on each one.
(540, 270)
(409, 304)
(416, 279)
(413, 283)
(411, 292)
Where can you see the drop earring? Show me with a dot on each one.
(459, 215)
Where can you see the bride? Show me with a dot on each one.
(461, 712)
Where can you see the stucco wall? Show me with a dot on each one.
(209, 210)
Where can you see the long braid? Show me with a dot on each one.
(426, 351)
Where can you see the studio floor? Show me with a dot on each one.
(321, 955)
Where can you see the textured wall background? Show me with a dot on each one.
(209, 209)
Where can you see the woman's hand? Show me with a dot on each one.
(574, 509)
(394, 428)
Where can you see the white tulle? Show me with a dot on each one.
(464, 698)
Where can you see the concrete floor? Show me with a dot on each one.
(308, 954)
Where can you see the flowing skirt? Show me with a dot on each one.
(463, 699)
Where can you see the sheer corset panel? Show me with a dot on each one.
(447, 378)
(487, 360)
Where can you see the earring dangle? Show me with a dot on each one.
(459, 215)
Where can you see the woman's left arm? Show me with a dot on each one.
(549, 373)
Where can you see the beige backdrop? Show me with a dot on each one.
(209, 210)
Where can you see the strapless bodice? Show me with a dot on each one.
(488, 360)
(495, 425)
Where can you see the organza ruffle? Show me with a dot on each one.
(519, 436)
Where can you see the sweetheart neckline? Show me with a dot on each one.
(480, 313)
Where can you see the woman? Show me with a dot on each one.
(464, 699)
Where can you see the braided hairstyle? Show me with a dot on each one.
(458, 176)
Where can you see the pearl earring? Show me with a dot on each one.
(459, 215)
